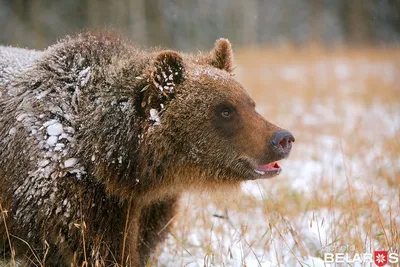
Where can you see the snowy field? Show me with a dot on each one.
(339, 190)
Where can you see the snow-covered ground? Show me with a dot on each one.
(339, 190)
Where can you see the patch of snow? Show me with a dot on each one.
(293, 73)
(310, 119)
(342, 70)
(22, 116)
(59, 147)
(84, 76)
(254, 189)
(52, 140)
(12, 131)
(70, 162)
(42, 94)
(43, 163)
(315, 262)
(154, 116)
(55, 129)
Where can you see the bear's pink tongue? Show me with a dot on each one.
(270, 166)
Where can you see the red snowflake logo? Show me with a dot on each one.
(380, 257)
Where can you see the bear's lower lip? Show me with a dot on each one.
(268, 170)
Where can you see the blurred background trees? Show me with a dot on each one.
(190, 25)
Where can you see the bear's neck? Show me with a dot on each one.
(113, 128)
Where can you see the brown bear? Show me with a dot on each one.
(98, 139)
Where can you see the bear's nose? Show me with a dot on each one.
(281, 142)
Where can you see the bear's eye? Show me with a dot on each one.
(226, 112)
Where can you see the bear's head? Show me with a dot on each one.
(208, 128)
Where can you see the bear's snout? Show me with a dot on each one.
(281, 143)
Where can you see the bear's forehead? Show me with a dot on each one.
(222, 82)
(201, 72)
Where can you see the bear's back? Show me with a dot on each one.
(15, 60)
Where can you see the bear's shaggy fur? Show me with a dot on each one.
(98, 139)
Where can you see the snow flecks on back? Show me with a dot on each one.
(154, 116)
(84, 76)
(70, 162)
(52, 135)
(54, 128)
(12, 131)
(55, 141)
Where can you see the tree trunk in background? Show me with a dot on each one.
(357, 22)
(137, 21)
(396, 7)
(248, 27)
(20, 17)
(155, 26)
(40, 34)
(119, 15)
(98, 13)
(315, 20)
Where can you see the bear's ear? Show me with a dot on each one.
(222, 55)
(168, 70)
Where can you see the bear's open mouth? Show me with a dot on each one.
(268, 170)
